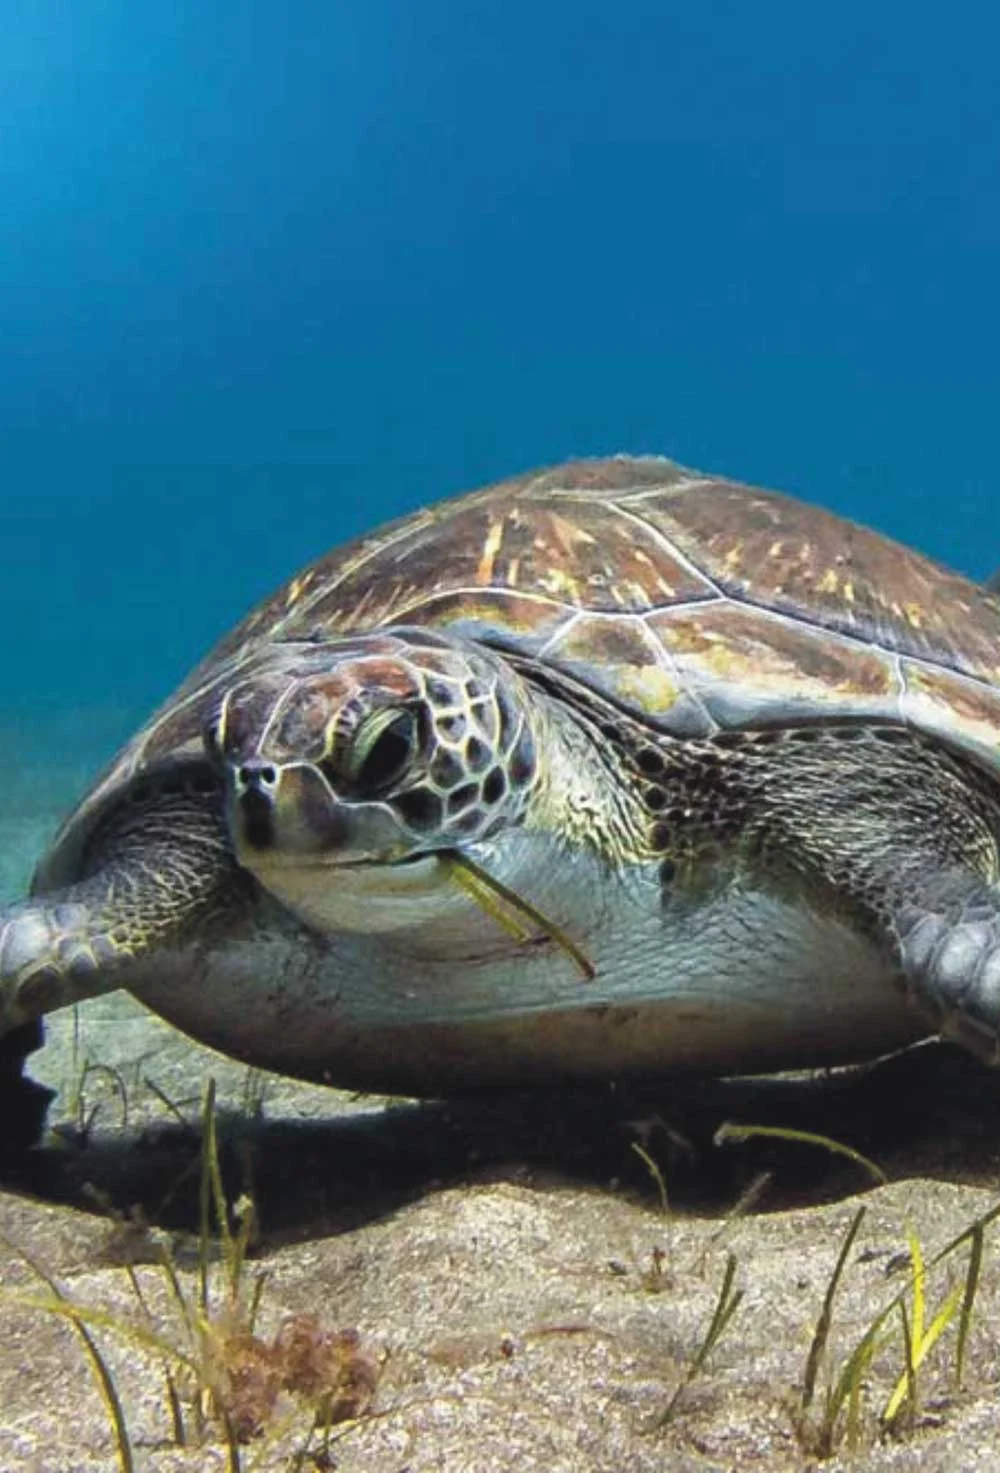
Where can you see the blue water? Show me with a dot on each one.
(269, 274)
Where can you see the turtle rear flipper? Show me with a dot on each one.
(157, 869)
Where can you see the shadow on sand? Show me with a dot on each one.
(931, 1111)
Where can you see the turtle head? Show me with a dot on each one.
(370, 752)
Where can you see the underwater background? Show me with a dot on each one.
(273, 273)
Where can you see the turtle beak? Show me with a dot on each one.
(286, 813)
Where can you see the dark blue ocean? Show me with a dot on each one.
(271, 274)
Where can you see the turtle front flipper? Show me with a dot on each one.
(899, 835)
(949, 946)
(157, 869)
(53, 953)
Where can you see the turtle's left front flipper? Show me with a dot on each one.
(949, 942)
(901, 834)
(949, 946)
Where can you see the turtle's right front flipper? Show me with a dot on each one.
(157, 870)
(53, 952)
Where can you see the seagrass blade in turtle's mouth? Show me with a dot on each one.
(504, 905)
(517, 916)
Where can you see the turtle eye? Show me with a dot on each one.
(381, 752)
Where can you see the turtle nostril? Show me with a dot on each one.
(258, 775)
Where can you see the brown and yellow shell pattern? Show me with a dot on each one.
(693, 602)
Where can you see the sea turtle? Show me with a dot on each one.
(609, 768)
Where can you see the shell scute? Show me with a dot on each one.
(749, 667)
(574, 552)
(634, 671)
(796, 558)
(961, 712)
(516, 620)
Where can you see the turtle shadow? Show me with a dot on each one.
(931, 1111)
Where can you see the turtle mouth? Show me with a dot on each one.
(257, 820)
(426, 858)
(423, 862)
